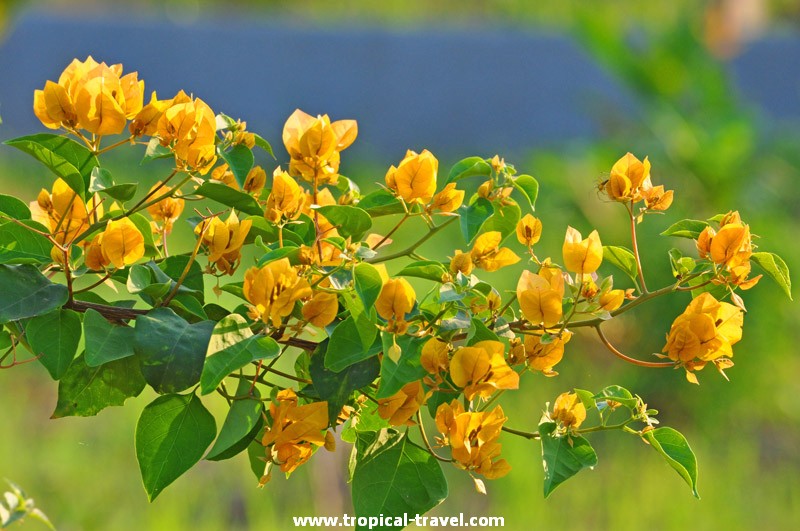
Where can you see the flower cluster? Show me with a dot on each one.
(472, 438)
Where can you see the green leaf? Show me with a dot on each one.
(105, 342)
(263, 144)
(408, 367)
(172, 351)
(174, 266)
(617, 394)
(622, 259)
(19, 245)
(13, 207)
(469, 167)
(587, 398)
(102, 181)
(393, 477)
(479, 332)
(171, 436)
(27, 293)
(240, 161)
(155, 151)
(677, 452)
(337, 387)
(504, 220)
(349, 220)
(381, 203)
(529, 188)
(84, 391)
(776, 268)
(473, 217)
(241, 424)
(368, 283)
(141, 281)
(346, 348)
(427, 269)
(366, 420)
(686, 228)
(365, 318)
(144, 227)
(563, 457)
(63, 156)
(54, 337)
(231, 347)
(222, 193)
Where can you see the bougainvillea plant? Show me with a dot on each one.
(328, 338)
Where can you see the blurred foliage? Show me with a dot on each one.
(704, 142)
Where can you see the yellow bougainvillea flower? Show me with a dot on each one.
(481, 369)
(314, 145)
(93, 256)
(487, 254)
(224, 175)
(612, 299)
(628, 175)
(273, 290)
(294, 430)
(448, 200)
(435, 357)
(91, 96)
(62, 210)
(472, 438)
(188, 127)
(255, 180)
(582, 256)
(396, 299)
(730, 247)
(145, 123)
(414, 179)
(569, 411)
(461, 262)
(529, 230)
(224, 240)
(705, 332)
(544, 356)
(286, 199)
(540, 296)
(404, 404)
(656, 198)
(321, 310)
(166, 211)
(122, 243)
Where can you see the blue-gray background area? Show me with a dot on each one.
(457, 92)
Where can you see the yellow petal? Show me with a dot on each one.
(122, 243)
(321, 310)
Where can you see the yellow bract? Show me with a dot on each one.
(122, 243)
(294, 430)
(91, 96)
(544, 356)
(529, 230)
(569, 411)
(166, 211)
(188, 128)
(487, 254)
(224, 240)
(630, 181)
(93, 256)
(273, 289)
(321, 310)
(314, 145)
(481, 369)
(255, 180)
(611, 299)
(146, 121)
(461, 262)
(472, 438)
(396, 299)
(540, 296)
(582, 256)
(62, 210)
(414, 179)
(404, 404)
(286, 199)
(731, 247)
(435, 358)
(448, 200)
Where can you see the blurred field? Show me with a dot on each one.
(716, 153)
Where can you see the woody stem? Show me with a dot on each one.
(188, 267)
(389, 234)
(527, 434)
(427, 443)
(635, 245)
(620, 355)
(115, 145)
(412, 247)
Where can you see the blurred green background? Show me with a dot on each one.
(715, 151)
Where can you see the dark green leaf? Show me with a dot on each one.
(102, 181)
(407, 369)
(622, 259)
(563, 457)
(428, 269)
(84, 391)
(393, 477)
(241, 424)
(677, 452)
(381, 203)
(54, 337)
(617, 394)
(222, 193)
(172, 351)
(337, 387)
(503, 220)
(776, 268)
(348, 220)
(473, 217)
(686, 228)
(368, 283)
(171, 436)
(13, 207)
(105, 342)
(63, 156)
(174, 266)
(479, 332)
(529, 188)
(240, 161)
(469, 167)
(155, 151)
(231, 347)
(19, 245)
(263, 144)
(346, 348)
